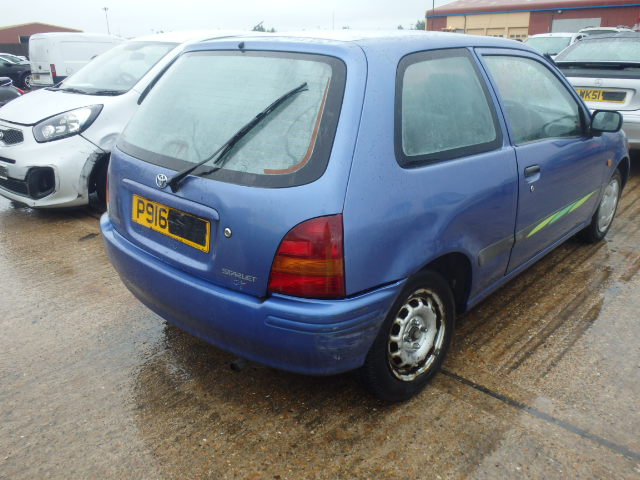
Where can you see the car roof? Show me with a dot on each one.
(553, 34)
(611, 29)
(191, 35)
(630, 35)
(389, 38)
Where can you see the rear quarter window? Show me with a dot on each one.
(443, 108)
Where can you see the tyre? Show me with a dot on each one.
(603, 218)
(25, 80)
(413, 340)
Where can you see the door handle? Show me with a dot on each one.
(531, 171)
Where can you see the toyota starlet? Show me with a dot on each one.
(326, 203)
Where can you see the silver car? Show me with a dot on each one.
(605, 70)
(553, 43)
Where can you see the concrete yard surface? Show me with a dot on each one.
(542, 380)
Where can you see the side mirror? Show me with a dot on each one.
(605, 121)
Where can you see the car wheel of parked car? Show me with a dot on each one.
(413, 339)
(26, 81)
(603, 218)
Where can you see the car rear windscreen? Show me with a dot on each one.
(621, 49)
(205, 98)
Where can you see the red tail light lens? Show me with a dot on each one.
(22, 92)
(310, 260)
(53, 70)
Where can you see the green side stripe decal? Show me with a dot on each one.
(559, 214)
(580, 202)
(540, 226)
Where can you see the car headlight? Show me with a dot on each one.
(66, 124)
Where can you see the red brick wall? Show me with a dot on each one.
(540, 22)
(12, 34)
(436, 23)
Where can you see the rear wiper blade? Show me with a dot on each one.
(175, 180)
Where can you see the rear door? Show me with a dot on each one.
(40, 54)
(560, 166)
(617, 89)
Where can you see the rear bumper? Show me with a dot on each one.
(315, 337)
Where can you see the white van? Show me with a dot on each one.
(55, 56)
(56, 141)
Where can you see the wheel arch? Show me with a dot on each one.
(455, 268)
(100, 160)
(624, 166)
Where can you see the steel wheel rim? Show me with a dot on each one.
(608, 205)
(27, 81)
(416, 335)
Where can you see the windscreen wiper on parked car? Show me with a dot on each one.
(68, 90)
(220, 153)
(108, 92)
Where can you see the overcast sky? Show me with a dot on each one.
(140, 17)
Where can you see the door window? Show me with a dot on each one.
(537, 104)
(443, 108)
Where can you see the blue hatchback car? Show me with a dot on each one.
(329, 203)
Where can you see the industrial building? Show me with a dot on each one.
(517, 19)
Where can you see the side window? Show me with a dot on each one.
(537, 104)
(443, 109)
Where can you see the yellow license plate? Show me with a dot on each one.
(184, 227)
(609, 96)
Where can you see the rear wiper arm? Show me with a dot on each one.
(175, 180)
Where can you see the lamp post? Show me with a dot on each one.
(106, 18)
(433, 10)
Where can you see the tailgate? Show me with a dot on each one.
(608, 93)
(41, 78)
(223, 233)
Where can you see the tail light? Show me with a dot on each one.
(310, 260)
(53, 70)
(22, 92)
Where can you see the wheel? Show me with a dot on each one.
(603, 218)
(413, 339)
(26, 81)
